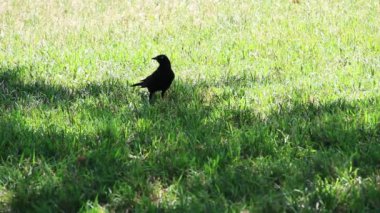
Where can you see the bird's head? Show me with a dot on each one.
(162, 59)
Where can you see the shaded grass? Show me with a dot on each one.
(248, 161)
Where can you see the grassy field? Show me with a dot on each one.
(275, 106)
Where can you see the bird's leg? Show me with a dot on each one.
(163, 93)
(151, 96)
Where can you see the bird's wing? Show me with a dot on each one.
(149, 80)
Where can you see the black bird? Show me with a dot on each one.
(159, 80)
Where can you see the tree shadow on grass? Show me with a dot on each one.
(226, 156)
(15, 90)
(291, 149)
(229, 157)
(181, 153)
(50, 172)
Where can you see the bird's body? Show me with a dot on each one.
(159, 80)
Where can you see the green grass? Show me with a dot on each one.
(275, 106)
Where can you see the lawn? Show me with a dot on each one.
(275, 106)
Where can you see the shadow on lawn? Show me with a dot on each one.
(292, 147)
(246, 158)
(14, 90)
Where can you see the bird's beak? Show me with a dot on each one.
(155, 58)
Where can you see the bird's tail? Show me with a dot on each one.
(138, 84)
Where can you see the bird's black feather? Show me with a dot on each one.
(159, 80)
